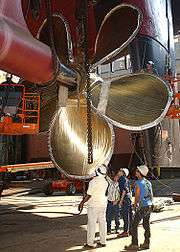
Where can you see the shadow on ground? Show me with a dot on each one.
(30, 232)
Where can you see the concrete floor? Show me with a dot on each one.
(39, 223)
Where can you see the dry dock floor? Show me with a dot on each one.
(36, 223)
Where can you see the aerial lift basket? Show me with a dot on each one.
(19, 110)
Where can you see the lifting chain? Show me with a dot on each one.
(87, 71)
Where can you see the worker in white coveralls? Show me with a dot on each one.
(97, 202)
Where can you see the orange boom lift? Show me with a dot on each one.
(20, 110)
(174, 110)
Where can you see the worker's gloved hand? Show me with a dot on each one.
(121, 202)
(115, 203)
(80, 207)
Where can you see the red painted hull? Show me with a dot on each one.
(21, 54)
(33, 58)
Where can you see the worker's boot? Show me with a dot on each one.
(123, 234)
(88, 246)
(108, 231)
(145, 245)
(101, 245)
(132, 247)
(117, 231)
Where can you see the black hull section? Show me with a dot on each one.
(145, 50)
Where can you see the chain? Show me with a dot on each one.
(88, 90)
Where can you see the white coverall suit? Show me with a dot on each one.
(97, 209)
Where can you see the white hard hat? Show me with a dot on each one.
(126, 171)
(143, 169)
(101, 170)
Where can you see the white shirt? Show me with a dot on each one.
(97, 190)
(113, 191)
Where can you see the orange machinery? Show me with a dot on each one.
(174, 110)
(27, 167)
(26, 110)
(70, 186)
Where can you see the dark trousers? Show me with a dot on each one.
(112, 210)
(126, 211)
(142, 213)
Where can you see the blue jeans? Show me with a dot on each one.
(126, 210)
(112, 210)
